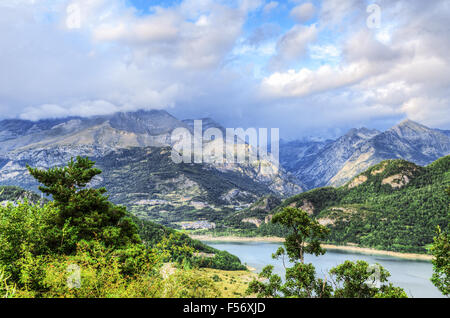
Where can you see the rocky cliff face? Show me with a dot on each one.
(321, 163)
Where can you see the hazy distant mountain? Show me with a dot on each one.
(408, 140)
(336, 162)
(124, 140)
(321, 161)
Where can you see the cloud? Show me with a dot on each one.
(230, 61)
(406, 76)
(116, 60)
(303, 13)
(293, 45)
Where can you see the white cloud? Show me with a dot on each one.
(292, 46)
(116, 60)
(230, 61)
(303, 13)
(403, 75)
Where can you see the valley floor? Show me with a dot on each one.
(348, 248)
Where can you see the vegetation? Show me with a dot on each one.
(395, 205)
(149, 173)
(441, 261)
(348, 280)
(82, 245)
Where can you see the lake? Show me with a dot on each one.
(413, 276)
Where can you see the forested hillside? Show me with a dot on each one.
(395, 205)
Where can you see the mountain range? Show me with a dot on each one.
(133, 149)
(334, 162)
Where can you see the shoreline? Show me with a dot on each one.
(347, 248)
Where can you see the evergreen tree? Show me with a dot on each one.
(85, 209)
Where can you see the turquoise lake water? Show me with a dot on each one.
(413, 276)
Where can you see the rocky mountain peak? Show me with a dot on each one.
(151, 122)
(408, 127)
(363, 133)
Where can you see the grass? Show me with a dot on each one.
(232, 284)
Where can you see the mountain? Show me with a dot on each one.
(394, 205)
(408, 140)
(322, 161)
(134, 151)
(333, 163)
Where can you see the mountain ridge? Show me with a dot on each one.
(334, 163)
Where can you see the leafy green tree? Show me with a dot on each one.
(27, 229)
(268, 285)
(441, 261)
(85, 209)
(360, 280)
(351, 280)
(6, 290)
(304, 237)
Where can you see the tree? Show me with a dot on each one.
(441, 261)
(304, 237)
(360, 280)
(85, 209)
(350, 279)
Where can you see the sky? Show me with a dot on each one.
(311, 68)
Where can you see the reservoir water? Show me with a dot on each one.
(413, 276)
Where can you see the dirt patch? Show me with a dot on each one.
(380, 170)
(396, 181)
(308, 207)
(326, 221)
(255, 221)
(357, 181)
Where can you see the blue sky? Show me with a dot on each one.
(310, 68)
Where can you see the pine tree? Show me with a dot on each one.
(82, 208)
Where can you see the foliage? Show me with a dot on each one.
(103, 272)
(359, 280)
(300, 279)
(152, 234)
(186, 284)
(305, 233)
(220, 260)
(81, 233)
(86, 210)
(351, 280)
(441, 261)
(27, 229)
(375, 214)
(6, 290)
